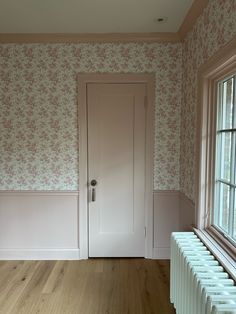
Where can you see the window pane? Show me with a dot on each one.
(226, 142)
(227, 99)
(234, 153)
(224, 207)
(234, 214)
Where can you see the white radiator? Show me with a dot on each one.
(199, 285)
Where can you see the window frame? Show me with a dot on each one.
(220, 66)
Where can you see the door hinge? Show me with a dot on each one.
(145, 232)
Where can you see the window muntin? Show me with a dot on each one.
(224, 215)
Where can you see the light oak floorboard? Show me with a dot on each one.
(94, 286)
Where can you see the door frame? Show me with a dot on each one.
(83, 80)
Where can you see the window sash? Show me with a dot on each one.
(224, 214)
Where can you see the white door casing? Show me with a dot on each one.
(116, 160)
(84, 81)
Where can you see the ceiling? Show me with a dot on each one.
(91, 16)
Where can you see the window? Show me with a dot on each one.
(224, 208)
(216, 150)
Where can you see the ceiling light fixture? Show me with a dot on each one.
(161, 19)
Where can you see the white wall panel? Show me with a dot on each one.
(38, 221)
(166, 220)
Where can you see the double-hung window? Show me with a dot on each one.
(224, 205)
(216, 153)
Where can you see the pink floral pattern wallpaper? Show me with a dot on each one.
(213, 29)
(38, 109)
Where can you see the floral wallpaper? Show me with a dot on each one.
(38, 109)
(213, 29)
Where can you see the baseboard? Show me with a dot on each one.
(161, 253)
(39, 254)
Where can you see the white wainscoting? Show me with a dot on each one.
(173, 211)
(186, 213)
(44, 225)
(39, 225)
(166, 220)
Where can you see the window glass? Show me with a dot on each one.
(224, 214)
(227, 104)
(225, 155)
(224, 201)
(234, 214)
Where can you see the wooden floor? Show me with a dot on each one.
(94, 286)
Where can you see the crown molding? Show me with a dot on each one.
(89, 38)
(191, 17)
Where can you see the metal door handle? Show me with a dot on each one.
(93, 183)
(93, 195)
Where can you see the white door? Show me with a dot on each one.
(116, 163)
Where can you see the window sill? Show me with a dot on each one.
(226, 259)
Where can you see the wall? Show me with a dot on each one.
(38, 120)
(39, 132)
(39, 135)
(213, 29)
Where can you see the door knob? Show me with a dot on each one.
(93, 182)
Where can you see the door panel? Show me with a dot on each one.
(116, 159)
